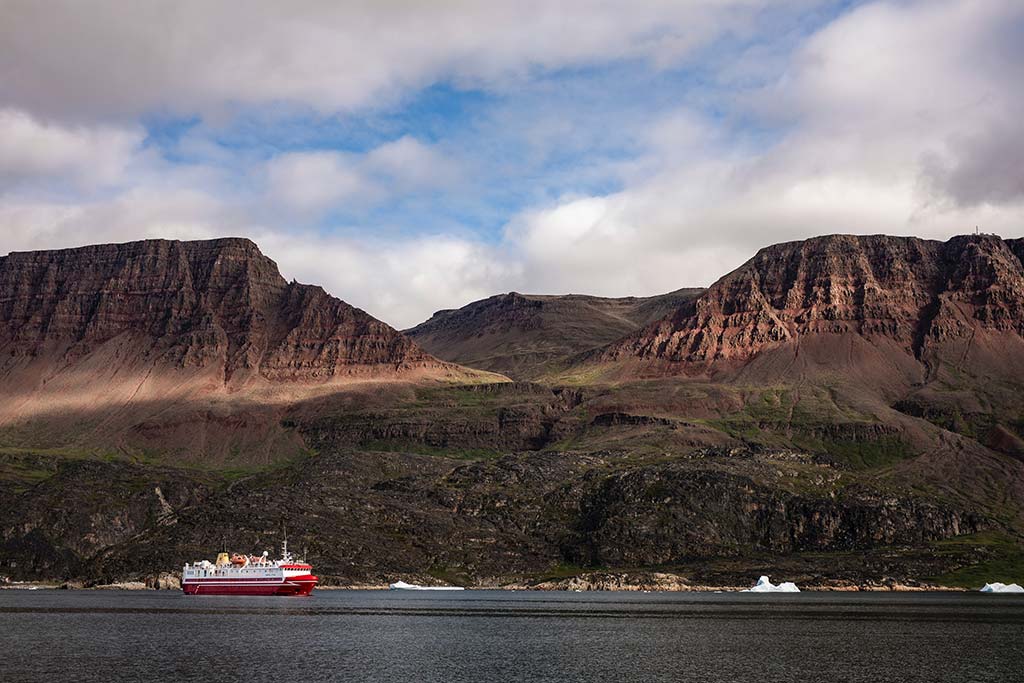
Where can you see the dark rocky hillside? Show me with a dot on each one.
(525, 336)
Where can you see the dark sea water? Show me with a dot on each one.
(49, 635)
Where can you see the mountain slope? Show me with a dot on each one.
(919, 297)
(527, 335)
(901, 356)
(148, 338)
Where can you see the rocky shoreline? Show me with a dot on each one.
(648, 582)
(898, 588)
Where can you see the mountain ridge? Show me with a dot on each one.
(916, 293)
(191, 296)
(527, 335)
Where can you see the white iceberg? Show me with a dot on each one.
(1002, 588)
(403, 586)
(763, 585)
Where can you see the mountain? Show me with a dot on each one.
(843, 411)
(105, 343)
(920, 296)
(932, 328)
(526, 336)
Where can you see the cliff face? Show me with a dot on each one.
(526, 335)
(188, 349)
(218, 303)
(916, 295)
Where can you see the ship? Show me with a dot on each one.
(249, 575)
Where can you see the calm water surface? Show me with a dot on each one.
(501, 636)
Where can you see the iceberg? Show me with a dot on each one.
(1002, 588)
(763, 585)
(403, 586)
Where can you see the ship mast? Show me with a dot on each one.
(285, 556)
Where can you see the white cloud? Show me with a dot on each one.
(412, 164)
(110, 58)
(316, 180)
(137, 214)
(402, 281)
(311, 181)
(92, 155)
(917, 90)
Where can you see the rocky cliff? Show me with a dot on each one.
(182, 349)
(916, 296)
(215, 304)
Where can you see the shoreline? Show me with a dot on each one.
(820, 588)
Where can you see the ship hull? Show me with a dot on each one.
(298, 586)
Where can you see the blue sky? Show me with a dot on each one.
(411, 157)
(553, 133)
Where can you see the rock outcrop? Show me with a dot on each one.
(218, 303)
(906, 293)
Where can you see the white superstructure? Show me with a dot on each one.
(249, 575)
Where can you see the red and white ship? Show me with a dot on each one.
(248, 575)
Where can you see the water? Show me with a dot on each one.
(503, 636)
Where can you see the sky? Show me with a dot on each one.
(414, 156)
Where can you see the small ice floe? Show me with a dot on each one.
(1002, 588)
(763, 585)
(403, 586)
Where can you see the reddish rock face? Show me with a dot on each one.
(190, 305)
(909, 293)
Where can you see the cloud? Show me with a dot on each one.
(316, 180)
(133, 215)
(110, 59)
(980, 166)
(923, 89)
(403, 280)
(412, 164)
(312, 181)
(91, 155)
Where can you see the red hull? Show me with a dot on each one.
(294, 586)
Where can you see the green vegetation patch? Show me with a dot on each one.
(64, 452)
(991, 556)
(450, 576)
(563, 570)
(860, 454)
